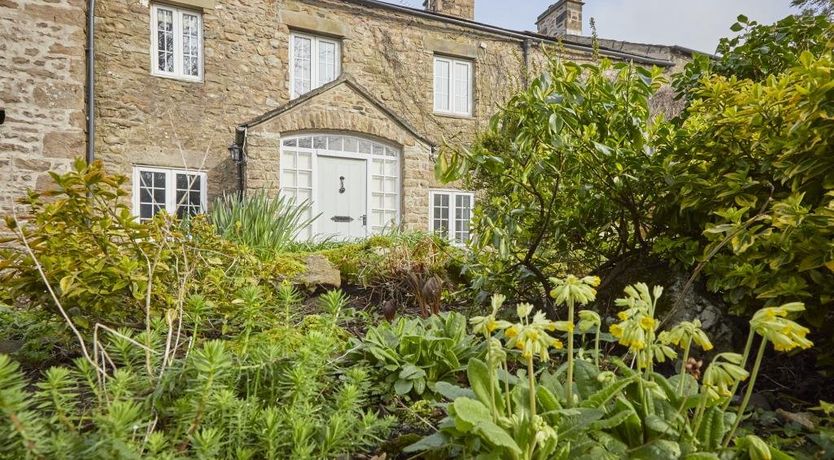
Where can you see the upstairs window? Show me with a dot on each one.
(452, 86)
(176, 42)
(316, 61)
(178, 192)
(451, 215)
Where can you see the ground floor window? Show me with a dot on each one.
(352, 183)
(178, 192)
(451, 214)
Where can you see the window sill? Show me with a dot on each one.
(458, 116)
(178, 78)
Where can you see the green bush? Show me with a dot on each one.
(752, 179)
(269, 392)
(569, 174)
(266, 225)
(103, 266)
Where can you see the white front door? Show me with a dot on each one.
(342, 197)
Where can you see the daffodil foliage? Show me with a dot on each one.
(616, 406)
(568, 169)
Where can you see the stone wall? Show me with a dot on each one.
(42, 90)
(146, 119)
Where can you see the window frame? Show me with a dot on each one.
(453, 62)
(315, 71)
(177, 13)
(170, 188)
(452, 230)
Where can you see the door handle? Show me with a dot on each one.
(364, 220)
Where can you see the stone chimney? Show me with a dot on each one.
(561, 18)
(464, 9)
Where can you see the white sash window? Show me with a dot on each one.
(315, 62)
(176, 42)
(452, 86)
(451, 214)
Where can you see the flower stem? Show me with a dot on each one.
(531, 379)
(748, 393)
(744, 357)
(683, 367)
(596, 347)
(569, 382)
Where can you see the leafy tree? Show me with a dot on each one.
(569, 174)
(825, 7)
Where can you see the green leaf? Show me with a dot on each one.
(601, 397)
(403, 387)
(479, 380)
(453, 392)
(496, 436)
(660, 426)
(431, 442)
(471, 411)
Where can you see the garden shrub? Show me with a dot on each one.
(269, 392)
(106, 267)
(266, 225)
(753, 194)
(413, 355)
(568, 171)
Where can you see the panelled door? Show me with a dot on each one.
(352, 184)
(342, 197)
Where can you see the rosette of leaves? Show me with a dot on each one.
(413, 354)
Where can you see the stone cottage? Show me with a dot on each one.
(340, 102)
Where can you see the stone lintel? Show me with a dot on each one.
(195, 4)
(314, 24)
(464, 50)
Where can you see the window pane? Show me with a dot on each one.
(165, 40)
(151, 193)
(462, 88)
(191, 45)
(440, 222)
(441, 85)
(327, 62)
(302, 65)
(463, 215)
(188, 202)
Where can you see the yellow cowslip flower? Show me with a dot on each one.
(724, 372)
(616, 330)
(588, 320)
(578, 291)
(622, 315)
(488, 324)
(511, 332)
(562, 326)
(523, 310)
(685, 331)
(647, 323)
(772, 323)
